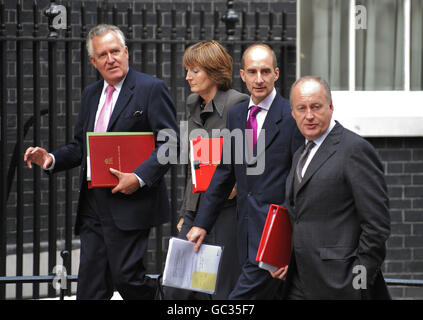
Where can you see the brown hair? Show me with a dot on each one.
(213, 58)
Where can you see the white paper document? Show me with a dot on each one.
(187, 269)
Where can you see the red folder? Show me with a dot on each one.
(206, 154)
(123, 151)
(275, 244)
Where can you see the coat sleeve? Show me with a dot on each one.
(162, 120)
(366, 178)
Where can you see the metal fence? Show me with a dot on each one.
(49, 69)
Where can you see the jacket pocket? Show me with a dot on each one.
(337, 253)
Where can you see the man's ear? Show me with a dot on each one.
(276, 74)
(93, 62)
(242, 74)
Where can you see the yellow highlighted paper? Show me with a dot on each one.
(203, 280)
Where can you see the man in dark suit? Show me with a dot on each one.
(259, 182)
(338, 205)
(114, 224)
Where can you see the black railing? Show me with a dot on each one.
(43, 71)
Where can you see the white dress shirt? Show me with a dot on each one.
(318, 142)
(264, 108)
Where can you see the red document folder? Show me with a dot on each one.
(206, 154)
(123, 151)
(275, 244)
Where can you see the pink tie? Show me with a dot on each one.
(252, 124)
(106, 111)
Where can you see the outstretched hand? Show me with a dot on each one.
(39, 156)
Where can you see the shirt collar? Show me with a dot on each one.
(266, 102)
(322, 138)
(117, 86)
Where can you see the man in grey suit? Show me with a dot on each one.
(337, 200)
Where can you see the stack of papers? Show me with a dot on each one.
(189, 270)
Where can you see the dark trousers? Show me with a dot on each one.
(111, 258)
(255, 283)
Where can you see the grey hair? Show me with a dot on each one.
(101, 29)
(319, 80)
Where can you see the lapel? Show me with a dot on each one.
(218, 102)
(270, 125)
(327, 149)
(125, 95)
(290, 178)
(93, 105)
(241, 124)
(192, 104)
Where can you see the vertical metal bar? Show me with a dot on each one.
(19, 142)
(188, 30)
(230, 18)
(159, 60)
(174, 92)
(129, 35)
(202, 29)
(144, 46)
(115, 15)
(244, 38)
(37, 142)
(216, 20)
(284, 60)
(257, 26)
(100, 20)
(3, 158)
(68, 114)
(99, 13)
(270, 29)
(52, 99)
(83, 49)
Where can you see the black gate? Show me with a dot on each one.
(43, 71)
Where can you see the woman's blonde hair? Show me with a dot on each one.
(213, 58)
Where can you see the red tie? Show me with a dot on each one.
(105, 112)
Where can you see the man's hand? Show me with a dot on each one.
(233, 194)
(180, 223)
(197, 235)
(128, 182)
(280, 273)
(38, 156)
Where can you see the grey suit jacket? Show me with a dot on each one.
(340, 219)
(216, 112)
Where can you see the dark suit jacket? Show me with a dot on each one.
(340, 218)
(254, 192)
(223, 101)
(148, 206)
